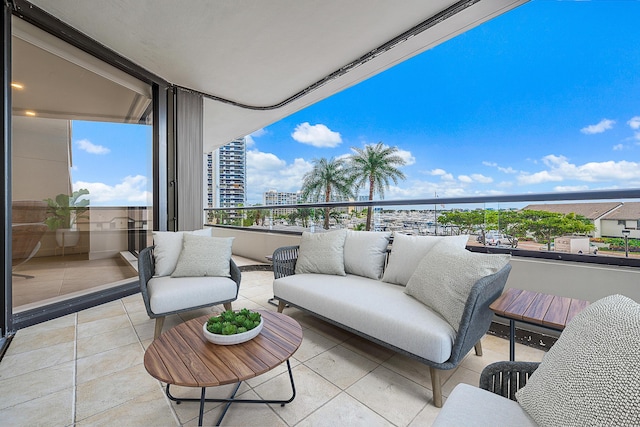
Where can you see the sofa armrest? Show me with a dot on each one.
(146, 270)
(284, 261)
(234, 271)
(477, 316)
(505, 378)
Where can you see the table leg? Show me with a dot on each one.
(512, 340)
(232, 398)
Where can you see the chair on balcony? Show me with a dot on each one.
(27, 229)
(590, 376)
(166, 292)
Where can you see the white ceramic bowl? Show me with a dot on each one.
(232, 339)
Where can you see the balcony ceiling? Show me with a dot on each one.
(260, 53)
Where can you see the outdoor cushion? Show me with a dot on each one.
(470, 406)
(365, 253)
(322, 253)
(591, 375)
(204, 256)
(407, 251)
(445, 276)
(378, 309)
(168, 294)
(168, 245)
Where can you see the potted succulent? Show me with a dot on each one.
(233, 327)
(63, 213)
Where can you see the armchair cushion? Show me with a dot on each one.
(407, 251)
(322, 253)
(444, 277)
(591, 375)
(168, 245)
(167, 294)
(204, 256)
(365, 253)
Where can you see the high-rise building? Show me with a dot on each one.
(225, 177)
(273, 197)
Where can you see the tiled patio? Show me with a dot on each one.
(86, 369)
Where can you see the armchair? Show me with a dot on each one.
(165, 295)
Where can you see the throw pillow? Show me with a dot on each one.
(204, 256)
(365, 253)
(445, 276)
(591, 375)
(322, 253)
(168, 245)
(407, 251)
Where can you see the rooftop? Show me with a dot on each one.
(87, 369)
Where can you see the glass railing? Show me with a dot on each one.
(598, 226)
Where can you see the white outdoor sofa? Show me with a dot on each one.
(381, 311)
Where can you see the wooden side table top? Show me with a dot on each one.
(536, 308)
(182, 355)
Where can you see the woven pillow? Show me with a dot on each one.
(168, 245)
(322, 253)
(591, 375)
(204, 256)
(407, 251)
(444, 278)
(365, 253)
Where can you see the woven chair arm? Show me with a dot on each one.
(506, 378)
(284, 261)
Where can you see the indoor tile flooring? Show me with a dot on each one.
(86, 369)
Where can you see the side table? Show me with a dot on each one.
(535, 308)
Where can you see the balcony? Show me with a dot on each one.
(86, 368)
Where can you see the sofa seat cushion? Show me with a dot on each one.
(378, 309)
(169, 294)
(473, 406)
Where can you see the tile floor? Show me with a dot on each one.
(86, 369)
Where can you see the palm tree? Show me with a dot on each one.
(327, 178)
(375, 165)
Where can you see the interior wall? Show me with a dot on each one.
(40, 158)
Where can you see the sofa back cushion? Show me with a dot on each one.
(444, 278)
(591, 375)
(365, 253)
(407, 251)
(321, 253)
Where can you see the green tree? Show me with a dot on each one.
(546, 225)
(375, 166)
(327, 179)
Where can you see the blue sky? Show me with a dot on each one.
(544, 98)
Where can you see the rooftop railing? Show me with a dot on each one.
(614, 215)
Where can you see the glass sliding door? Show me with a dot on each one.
(82, 178)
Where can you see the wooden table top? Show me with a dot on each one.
(183, 356)
(537, 308)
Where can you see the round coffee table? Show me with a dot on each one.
(182, 356)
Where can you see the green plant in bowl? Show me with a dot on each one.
(233, 322)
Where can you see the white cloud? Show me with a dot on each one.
(559, 169)
(266, 171)
(89, 147)
(465, 178)
(568, 188)
(131, 191)
(316, 135)
(249, 139)
(406, 156)
(481, 178)
(603, 125)
(634, 123)
(618, 147)
(508, 169)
